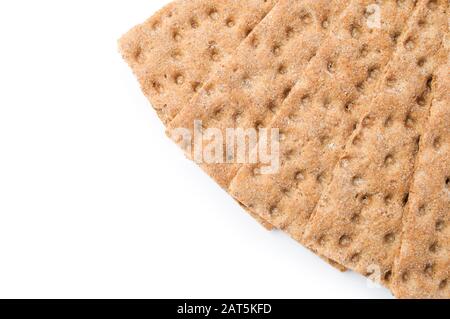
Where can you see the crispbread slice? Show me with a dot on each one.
(423, 267)
(173, 52)
(260, 75)
(317, 119)
(358, 220)
(248, 91)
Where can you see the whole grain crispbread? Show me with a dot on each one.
(422, 269)
(321, 113)
(359, 91)
(358, 220)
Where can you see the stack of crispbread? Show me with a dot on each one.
(356, 94)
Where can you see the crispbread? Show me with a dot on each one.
(173, 52)
(379, 122)
(248, 91)
(258, 78)
(358, 220)
(321, 113)
(423, 267)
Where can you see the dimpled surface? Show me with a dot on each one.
(174, 51)
(358, 221)
(423, 267)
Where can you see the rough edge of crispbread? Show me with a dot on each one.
(422, 267)
(334, 228)
(129, 40)
(264, 223)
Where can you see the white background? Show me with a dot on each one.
(96, 202)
